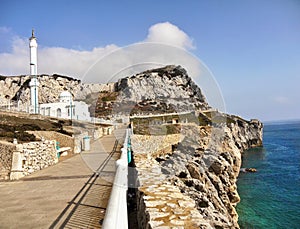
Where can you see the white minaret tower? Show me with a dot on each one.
(34, 84)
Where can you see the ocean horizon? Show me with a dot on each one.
(270, 198)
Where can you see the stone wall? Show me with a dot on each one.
(102, 131)
(32, 156)
(151, 145)
(62, 139)
(6, 153)
(159, 202)
(93, 134)
(78, 141)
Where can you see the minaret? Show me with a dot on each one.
(34, 102)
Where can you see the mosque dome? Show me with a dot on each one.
(65, 96)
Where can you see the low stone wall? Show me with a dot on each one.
(95, 134)
(32, 156)
(150, 144)
(62, 139)
(78, 141)
(98, 133)
(6, 153)
(159, 203)
(102, 131)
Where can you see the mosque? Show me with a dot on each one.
(65, 107)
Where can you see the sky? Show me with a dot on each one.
(251, 47)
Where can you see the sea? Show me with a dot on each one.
(270, 198)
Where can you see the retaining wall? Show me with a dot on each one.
(159, 203)
(64, 140)
(6, 153)
(32, 156)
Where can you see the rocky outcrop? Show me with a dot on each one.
(16, 88)
(163, 90)
(167, 89)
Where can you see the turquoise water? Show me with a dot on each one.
(270, 198)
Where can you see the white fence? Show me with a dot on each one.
(116, 211)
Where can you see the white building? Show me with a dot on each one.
(66, 108)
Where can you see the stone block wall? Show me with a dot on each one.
(94, 134)
(32, 156)
(151, 144)
(159, 203)
(78, 141)
(6, 153)
(98, 133)
(64, 140)
(38, 155)
(102, 131)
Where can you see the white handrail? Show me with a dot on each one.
(116, 211)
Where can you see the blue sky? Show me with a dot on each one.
(251, 47)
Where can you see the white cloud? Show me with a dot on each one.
(50, 59)
(170, 34)
(4, 29)
(282, 100)
(69, 61)
(75, 63)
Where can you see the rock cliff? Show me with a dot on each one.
(203, 164)
(167, 89)
(16, 88)
(188, 180)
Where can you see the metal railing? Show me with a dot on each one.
(116, 211)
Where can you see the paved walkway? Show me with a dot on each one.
(71, 194)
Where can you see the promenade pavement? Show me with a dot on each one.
(71, 194)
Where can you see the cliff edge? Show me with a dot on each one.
(187, 163)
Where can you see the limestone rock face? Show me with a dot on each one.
(16, 88)
(167, 89)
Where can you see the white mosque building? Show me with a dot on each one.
(65, 107)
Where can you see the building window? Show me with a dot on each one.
(68, 111)
(48, 111)
(58, 112)
(74, 110)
